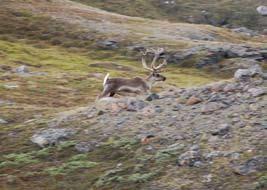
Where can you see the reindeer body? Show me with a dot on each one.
(117, 85)
(136, 85)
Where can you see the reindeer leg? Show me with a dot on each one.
(106, 92)
(111, 94)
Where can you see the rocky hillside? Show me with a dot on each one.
(87, 29)
(238, 13)
(199, 129)
(210, 137)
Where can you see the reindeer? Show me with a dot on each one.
(136, 85)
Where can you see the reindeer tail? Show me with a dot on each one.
(105, 79)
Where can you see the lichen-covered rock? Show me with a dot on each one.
(252, 165)
(48, 137)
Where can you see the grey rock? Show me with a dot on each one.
(234, 155)
(177, 107)
(255, 92)
(152, 96)
(11, 86)
(262, 10)
(2, 121)
(255, 70)
(85, 147)
(214, 154)
(108, 44)
(252, 165)
(211, 107)
(116, 104)
(245, 31)
(22, 69)
(51, 136)
(230, 87)
(195, 148)
(136, 105)
(6, 102)
(190, 158)
(221, 130)
(241, 74)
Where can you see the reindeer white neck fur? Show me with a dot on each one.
(138, 85)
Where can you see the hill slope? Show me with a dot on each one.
(53, 57)
(233, 13)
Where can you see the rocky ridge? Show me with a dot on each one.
(183, 128)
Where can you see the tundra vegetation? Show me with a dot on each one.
(191, 133)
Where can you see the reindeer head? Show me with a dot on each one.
(154, 70)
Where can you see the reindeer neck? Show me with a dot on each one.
(149, 82)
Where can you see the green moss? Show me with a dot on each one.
(78, 157)
(42, 153)
(79, 161)
(111, 176)
(169, 153)
(262, 183)
(117, 176)
(125, 143)
(140, 178)
(18, 159)
(70, 166)
(65, 145)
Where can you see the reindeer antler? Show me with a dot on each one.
(144, 61)
(157, 53)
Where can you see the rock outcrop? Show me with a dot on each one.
(262, 10)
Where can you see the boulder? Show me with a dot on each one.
(262, 10)
(190, 158)
(2, 121)
(193, 100)
(211, 107)
(252, 165)
(217, 87)
(118, 104)
(10, 86)
(221, 130)
(255, 92)
(21, 69)
(85, 147)
(108, 44)
(231, 87)
(51, 136)
(245, 31)
(152, 96)
(242, 74)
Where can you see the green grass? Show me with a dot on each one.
(70, 166)
(18, 160)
